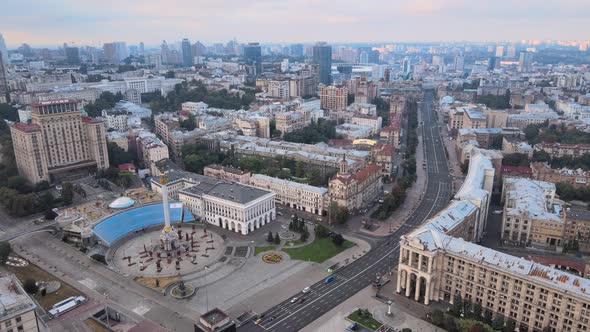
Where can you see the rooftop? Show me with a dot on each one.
(26, 127)
(13, 298)
(287, 183)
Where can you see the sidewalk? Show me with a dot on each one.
(334, 320)
(413, 196)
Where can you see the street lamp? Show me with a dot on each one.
(389, 303)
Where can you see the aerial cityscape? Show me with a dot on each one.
(220, 166)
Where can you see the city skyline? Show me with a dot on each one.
(292, 21)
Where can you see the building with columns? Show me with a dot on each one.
(438, 262)
(237, 207)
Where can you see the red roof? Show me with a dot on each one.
(516, 169)
(384, 149)
(339, 142)
(557, 261)
(126, 166)
(26, 127)
(88, 119)
(362, 174)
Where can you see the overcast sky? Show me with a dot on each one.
(53, 22)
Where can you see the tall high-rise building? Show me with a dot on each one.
(187, 57)
(499, 51)
(407, 66)
(253, 57)
(115, 52)
(141, 48)
(3, 50)
(363, 57)
(296, 50)
(491, 63)
(525, 62)
(322, 55)
(511, 51)
(59, 143)
(334, 98)
(4, 96)
(72, 55)
(459, 62)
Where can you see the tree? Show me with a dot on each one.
(321, 231)
(30, 286)
(342, 215)
(457, 309)
(338, 239)
(437, 317)
(119, 156)
(304, 234)
(477, 310)
(541, 156)
(269, 237)
(498, 322)
(451, 324)
(277, 238)
(299, 171)
(516, 159)
(5, 251)
(170, 74)
(510, 325)
(477, 327)
(190, 123)
(67, 193)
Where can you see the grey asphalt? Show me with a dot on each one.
(349, 280)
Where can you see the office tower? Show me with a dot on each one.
(459, 63)
(141, 49)
(187, 57)
(525, 62)
(511, 51)
(492, 63)
(499, 51)
(374, 56)
(72, 55)
(407, 66)
(199, 49)
(165, 52)
(322, 55)
(59, 143)
(296, 50)
(363, 57)
(253, 57)
(3, 50)
(115, 52)
(3, 78)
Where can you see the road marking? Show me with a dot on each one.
(336, 287)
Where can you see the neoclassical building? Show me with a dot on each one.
(295, 195)
(229, 205)
(438, 262)
(355, 190)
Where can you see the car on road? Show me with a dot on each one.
(380, 200)
(498, 212)
(280, 213)
(301, 300)
(329, 279)
(293, 300)
(306, 289)
(258, 321)
(283, 227)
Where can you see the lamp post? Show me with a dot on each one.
(389, 303)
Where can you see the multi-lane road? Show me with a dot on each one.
(294, 315)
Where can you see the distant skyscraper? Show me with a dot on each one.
(72, 55)
(499, 51)
(363, 57)
(165, 52)
(407, 67)
(459, 63)
(3, 78)
(296, 50)
(115, 52)
(3, 50)
(491, 63)
(525, 62)
(187, 58)
(511, 51)
(253, 57)
(322, 55)
(141, 49)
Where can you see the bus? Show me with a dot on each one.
(66, 305)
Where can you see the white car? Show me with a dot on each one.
(306, 289)
(293, 300)
(497, 212)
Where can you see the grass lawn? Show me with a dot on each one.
(370, 322)
(33, 272)
(260, 249)
(294, 243)
(318, 251)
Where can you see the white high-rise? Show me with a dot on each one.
(3, 50)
